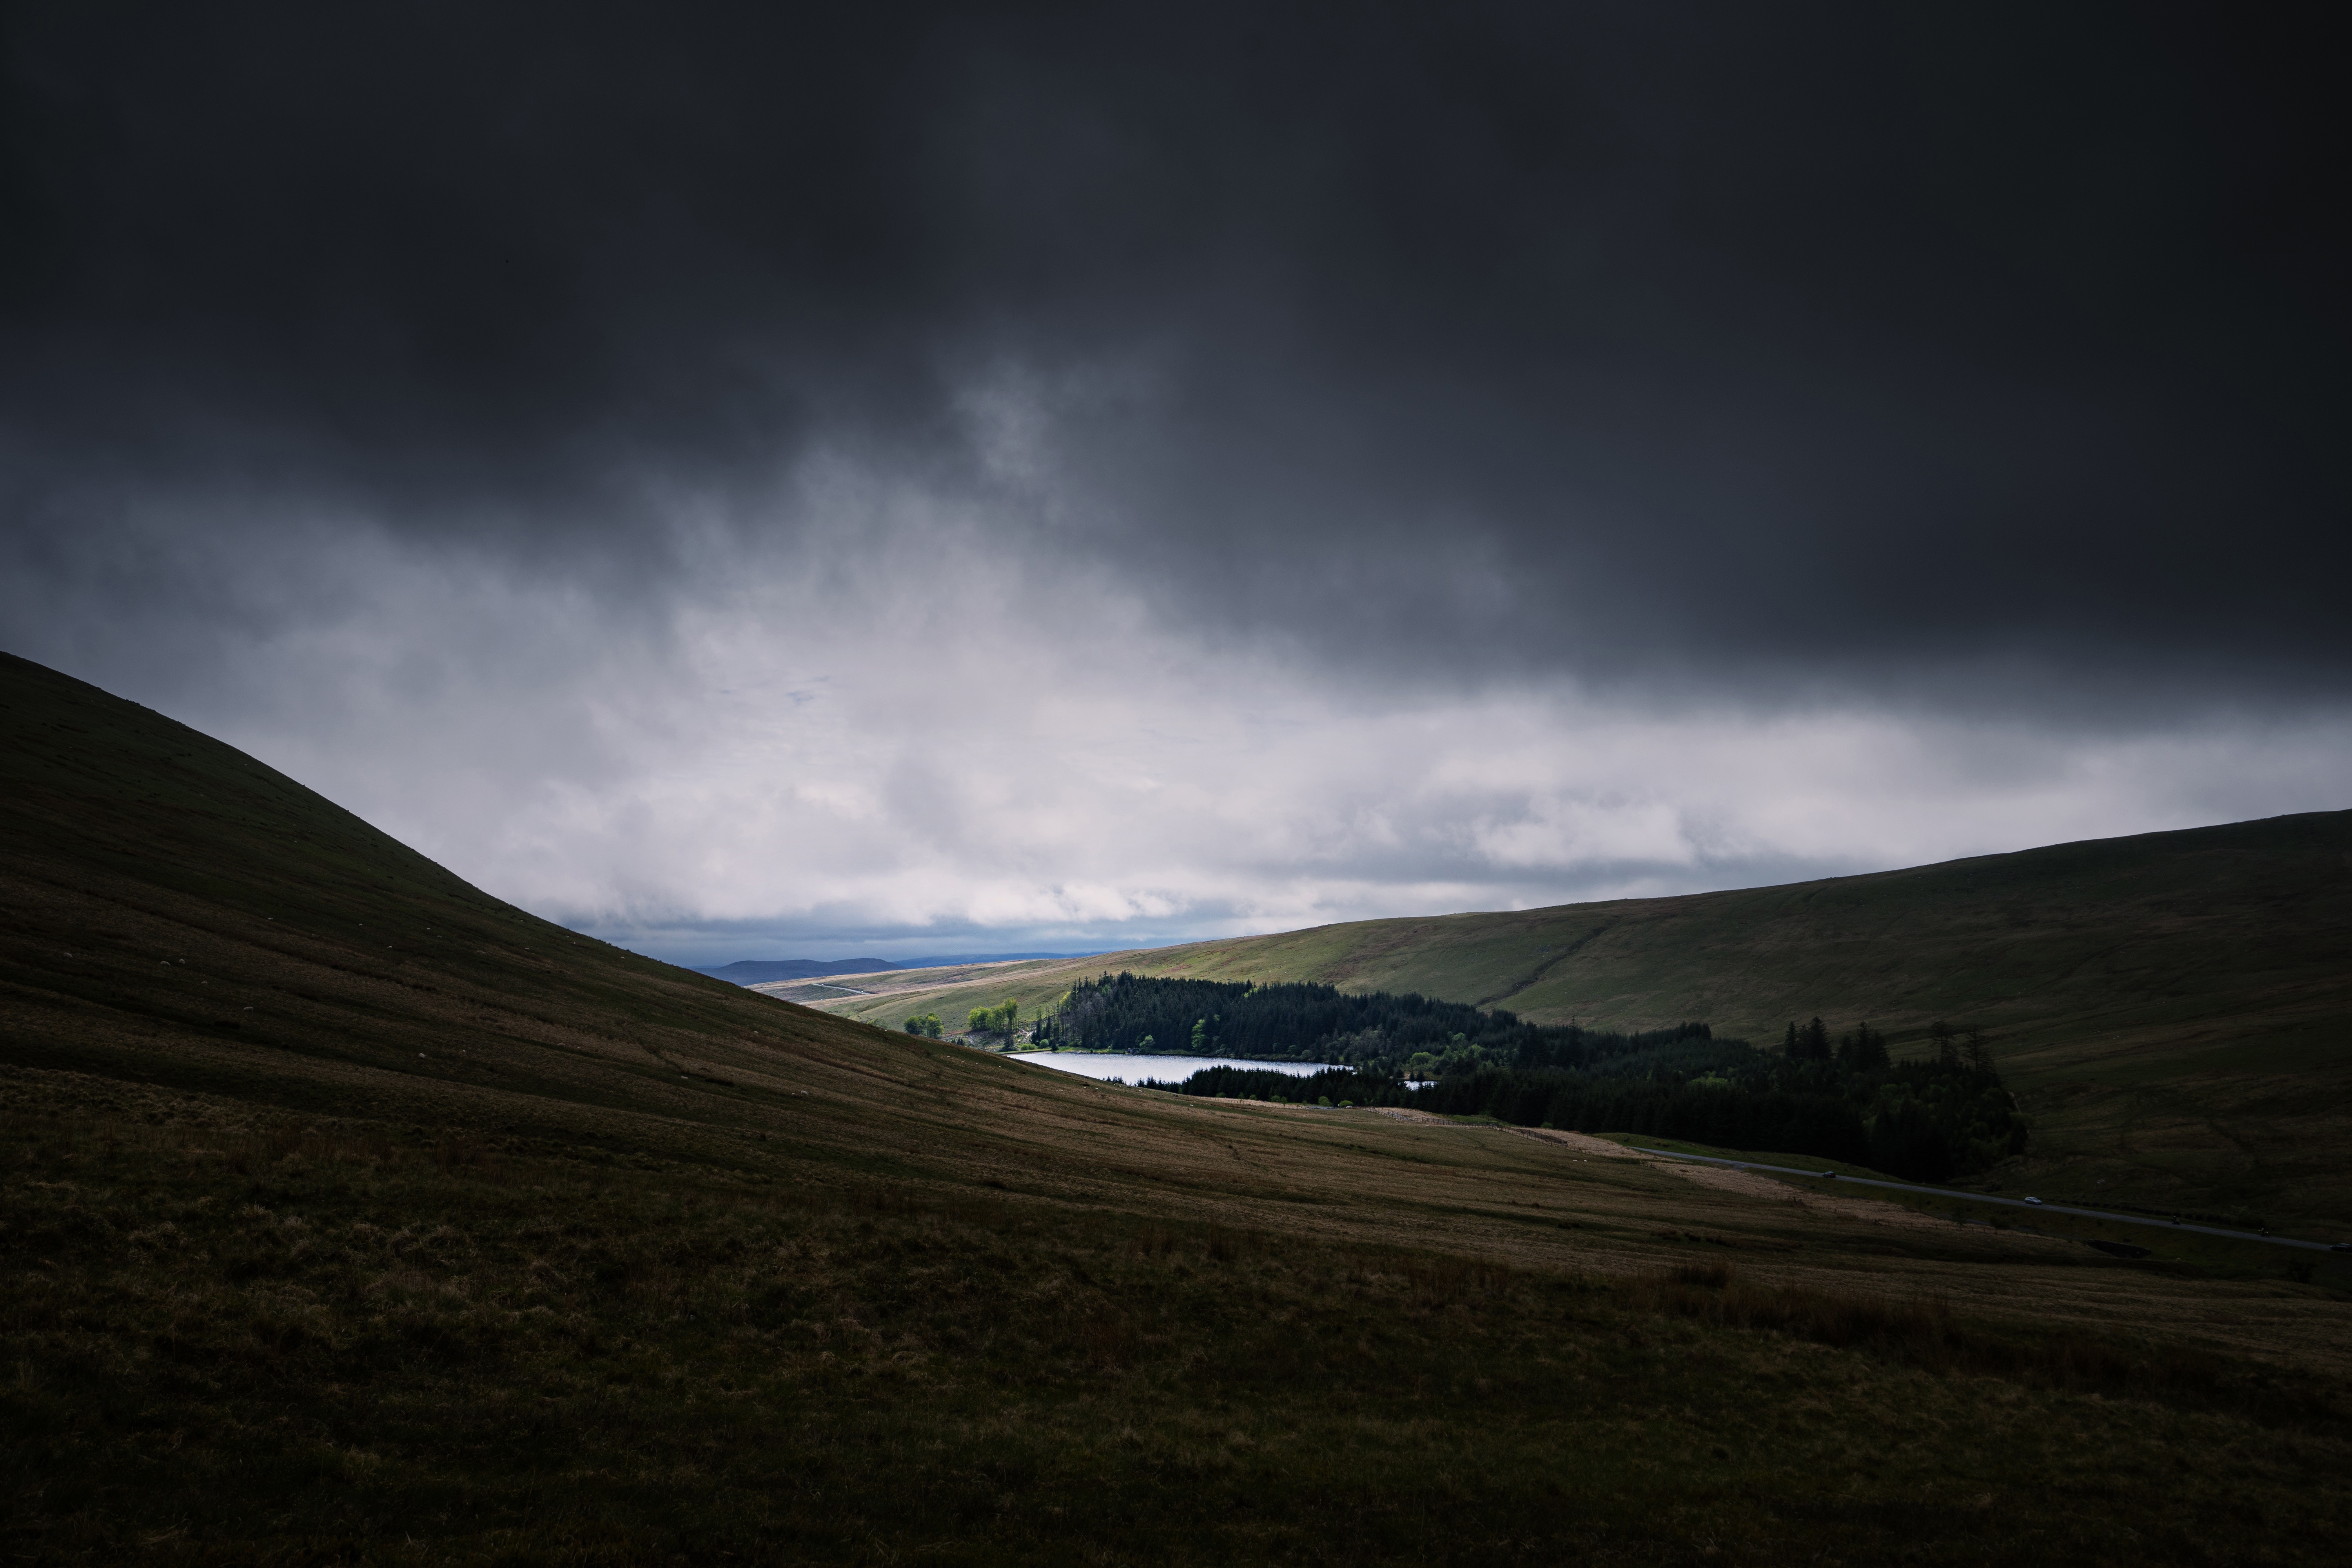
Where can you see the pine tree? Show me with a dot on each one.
(1979, 1057)
(1861, 1050)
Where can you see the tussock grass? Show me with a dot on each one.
(357, 1351)
(1924, 1333)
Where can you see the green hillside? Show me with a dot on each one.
(2175, 1009)
(348, 1214)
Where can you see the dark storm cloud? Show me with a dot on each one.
(1822, 342)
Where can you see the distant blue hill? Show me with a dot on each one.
(993, 958)
(762, 971)
(759, 972)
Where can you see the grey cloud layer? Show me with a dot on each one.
(1072, 475)
(1815, 342)
(839, 752)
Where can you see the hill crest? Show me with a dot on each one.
(2174, 1008)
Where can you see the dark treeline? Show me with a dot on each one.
(1841, 1098)
(1707, 1110)
(1377, 1031)
(1333, 1086)
(1922, 1121)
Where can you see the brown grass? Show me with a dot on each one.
(685, 1361)
(1924, 1332)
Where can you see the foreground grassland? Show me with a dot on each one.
(347, 1214)
(232, 1342)
(2173, 1010)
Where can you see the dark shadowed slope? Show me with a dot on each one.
(174, 915)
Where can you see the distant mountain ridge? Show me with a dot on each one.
(767, 972)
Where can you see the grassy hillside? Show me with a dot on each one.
(348, 1214)
(2175, 1010)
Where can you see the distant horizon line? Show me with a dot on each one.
(933, 961)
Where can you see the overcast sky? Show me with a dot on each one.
(756, 481)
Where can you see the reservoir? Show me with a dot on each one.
(1167, 1069)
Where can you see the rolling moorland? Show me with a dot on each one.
(347, 1214)
(2173, 1010)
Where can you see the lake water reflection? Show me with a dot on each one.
(1167, 1069)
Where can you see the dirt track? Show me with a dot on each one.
(1747, 1183)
